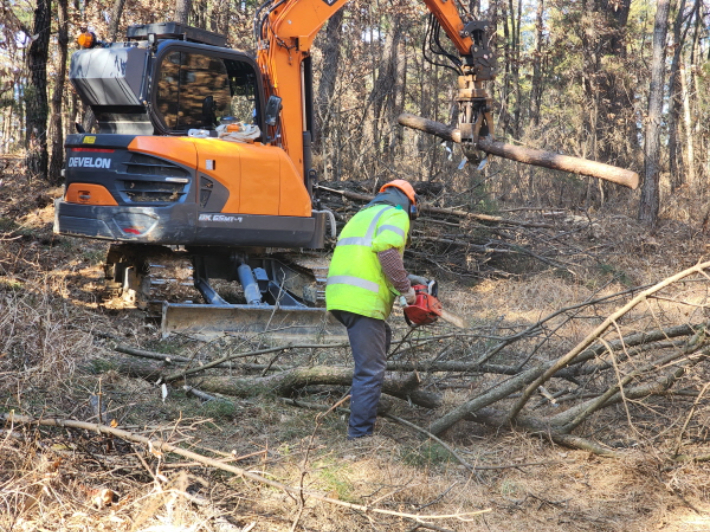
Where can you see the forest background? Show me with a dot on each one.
(615, 81)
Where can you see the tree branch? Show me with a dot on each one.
(159, 446)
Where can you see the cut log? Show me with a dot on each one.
(285, 383)
(546, 159)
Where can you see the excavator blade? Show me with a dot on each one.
(279, 323)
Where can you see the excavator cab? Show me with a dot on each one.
(168, 87)
(198, 89)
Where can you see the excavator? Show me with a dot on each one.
(201, 158)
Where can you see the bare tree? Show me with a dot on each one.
(675, 157)
(116, 13)
(536, 86)
(649, 205)
(182, 10)
(57, 129)
(36, 95)
(326, 104)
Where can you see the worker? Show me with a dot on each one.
(366, 275)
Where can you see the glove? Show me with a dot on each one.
(410, 296)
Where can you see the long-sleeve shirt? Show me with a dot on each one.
(393, 268)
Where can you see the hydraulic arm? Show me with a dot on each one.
(285, 31)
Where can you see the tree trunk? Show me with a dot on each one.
(325, 104)
(331, 60)
(688, 128)
(288, 382)
(36, 93)
(399, 97)
(116, 13)
(536, 89)
(504, 115)
(698, 131)
(516, 23)
(675, 155)
(182, 11)
(57, 160)
(650, 201)
(199, 18)
(609, 91)
(521, 154)
(385, 83)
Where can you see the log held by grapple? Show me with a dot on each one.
(535, 157)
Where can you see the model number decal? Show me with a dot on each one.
(89, 162)
(224, 218)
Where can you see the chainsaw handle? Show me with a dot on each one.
(417, 279)
(433, 288)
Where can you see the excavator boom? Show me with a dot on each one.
(286, 32)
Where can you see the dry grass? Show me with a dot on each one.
(51, 364)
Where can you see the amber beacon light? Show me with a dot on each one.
(87, 39)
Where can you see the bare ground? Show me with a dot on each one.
(55, 360)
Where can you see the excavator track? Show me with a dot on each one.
(162, 281)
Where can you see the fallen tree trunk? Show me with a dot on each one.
(524, 378)
(288, 382)
(531, 156)
(493, 417)
(598, 331)
(572, 417)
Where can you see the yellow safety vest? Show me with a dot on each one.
(356, 282)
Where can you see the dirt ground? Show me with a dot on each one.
(58, 358)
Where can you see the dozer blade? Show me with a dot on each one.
(283, 323)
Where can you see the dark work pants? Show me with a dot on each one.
(370, 341)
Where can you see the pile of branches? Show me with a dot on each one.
(628, 382)
(454, 241)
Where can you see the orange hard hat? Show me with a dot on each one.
(408, 190)
(404, 186)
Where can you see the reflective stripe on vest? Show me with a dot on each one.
(393, 228)
(354, 281)
(367, 239)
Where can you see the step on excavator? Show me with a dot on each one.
(200, 170)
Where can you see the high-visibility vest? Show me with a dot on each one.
(356, 282)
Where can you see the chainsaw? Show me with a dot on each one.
(427, 308)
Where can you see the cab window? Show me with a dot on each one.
(196, 90)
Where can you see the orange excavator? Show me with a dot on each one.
(202, 154)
